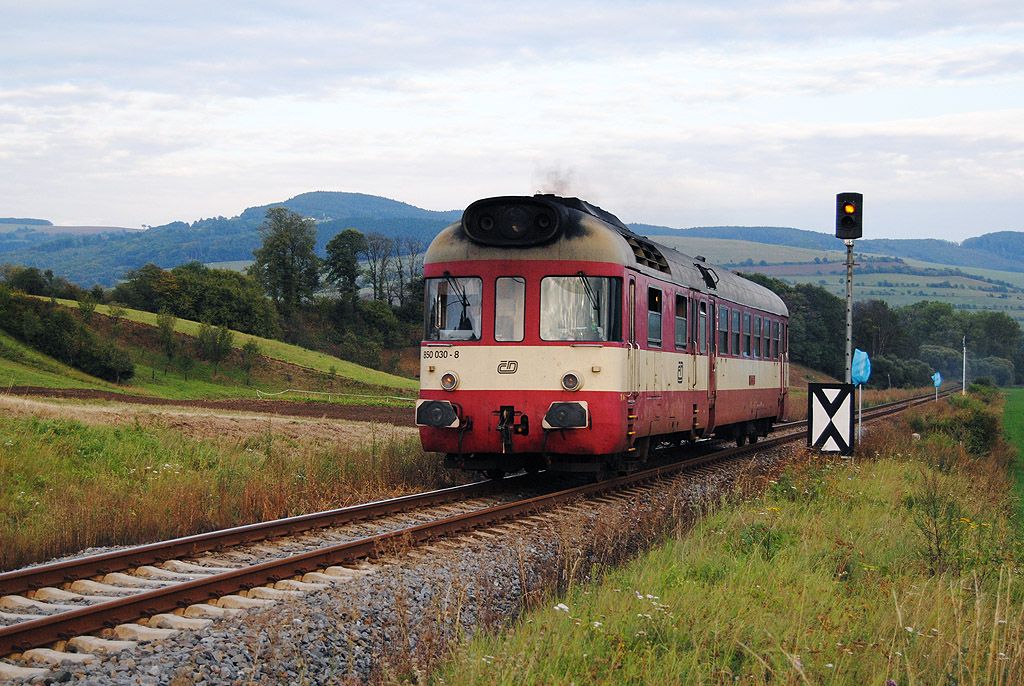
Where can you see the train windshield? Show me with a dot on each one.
(580, 308)
(453, 309)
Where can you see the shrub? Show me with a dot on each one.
(54, 332)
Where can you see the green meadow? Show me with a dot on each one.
(901, 567)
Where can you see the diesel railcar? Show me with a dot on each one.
(557, 337)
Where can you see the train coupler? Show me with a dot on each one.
(507, 426)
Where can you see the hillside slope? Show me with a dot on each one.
(282, 366)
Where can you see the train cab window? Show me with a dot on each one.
(735, 332)
(746, 334)
(757, 337)
(654, 317)
(509, 308)
(452, 308)
(723, 330)
(702, 329)
(580, 308)
(681, 332)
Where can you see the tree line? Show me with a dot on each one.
(905, 344)
(366, 295)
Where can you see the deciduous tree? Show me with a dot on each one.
(286, 266)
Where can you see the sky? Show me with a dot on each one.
(671, 113)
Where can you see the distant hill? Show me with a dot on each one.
(104, 254)
(104, 258)
(1002, 251)
(1007, 244)
(23, 222)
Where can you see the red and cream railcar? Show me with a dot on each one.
(556, 336)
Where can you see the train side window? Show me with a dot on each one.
(654, 317)
(509, 308)
(735, 332)
(702, 329)
(723, 330)
(757, 337)
(746, 334)
(767, 339)
(681, 310)
(776, 348)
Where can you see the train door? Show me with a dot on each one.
(711, 330)
(783, 344)
(632, 349)
(699, 351)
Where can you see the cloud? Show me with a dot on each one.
(675, 113)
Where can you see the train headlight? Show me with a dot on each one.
(571, 381)
(449, 381)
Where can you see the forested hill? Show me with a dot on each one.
(104, 259)
(25, 221)
(104, 256)
(1003, 250)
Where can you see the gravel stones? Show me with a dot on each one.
(399, 618)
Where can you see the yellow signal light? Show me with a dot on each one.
(849, 208)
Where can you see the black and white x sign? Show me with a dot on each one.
(830, 417)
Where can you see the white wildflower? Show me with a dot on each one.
(562, 607)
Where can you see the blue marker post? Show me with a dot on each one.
(937, 380)
(860, 372)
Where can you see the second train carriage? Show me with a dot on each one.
(554, 335)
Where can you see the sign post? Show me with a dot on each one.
(830, 417)
(861, 372)
(937, 380)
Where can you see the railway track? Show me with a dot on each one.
(148, 592)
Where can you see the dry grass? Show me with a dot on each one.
(796, 404)
(66, 486)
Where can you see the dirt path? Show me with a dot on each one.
(222, 425)
(398, 416)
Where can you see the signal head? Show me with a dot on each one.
(849, 215)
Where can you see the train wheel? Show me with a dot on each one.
(741, 440)
(495, 474)
(753, 438)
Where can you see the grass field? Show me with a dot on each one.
(279, 350)
(1013, 424)
(66, 485)
(315, 375)
(20, 365)
(894, 288)
(899, 567)
(904, 289)
(730, 251)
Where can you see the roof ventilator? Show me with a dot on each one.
(648, 255)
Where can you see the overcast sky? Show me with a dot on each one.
(674, 113)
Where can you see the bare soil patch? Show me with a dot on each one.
(398, 416)
(220, 423)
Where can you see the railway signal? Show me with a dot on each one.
(849, 215)
(849, 226)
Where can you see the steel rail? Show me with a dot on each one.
(31, 578)
(42, 631)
